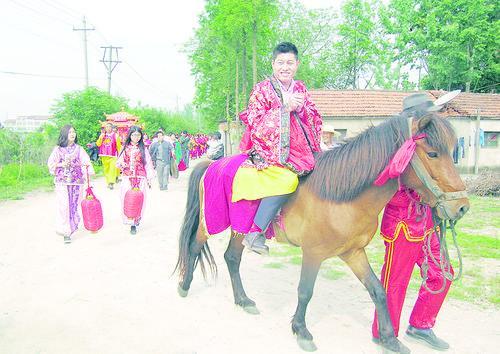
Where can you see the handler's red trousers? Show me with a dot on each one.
(402, 252)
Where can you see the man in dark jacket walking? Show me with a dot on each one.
(161, 153)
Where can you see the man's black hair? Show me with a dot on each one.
(285, 47)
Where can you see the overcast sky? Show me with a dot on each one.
(41, 57)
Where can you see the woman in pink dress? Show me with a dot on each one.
(136, 165)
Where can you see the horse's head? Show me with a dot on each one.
(432, 172)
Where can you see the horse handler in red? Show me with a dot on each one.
(406, 225)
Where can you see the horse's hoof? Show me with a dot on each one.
(394, 348)
(182, 292)
(403, 349)
(306, 345)
(251, 309)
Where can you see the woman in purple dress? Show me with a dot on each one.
(69, 163)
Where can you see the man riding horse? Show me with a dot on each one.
(283, 133)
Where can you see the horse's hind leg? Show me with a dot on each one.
(358, 262)
(194, 253)
(233, 259)
(308, 275)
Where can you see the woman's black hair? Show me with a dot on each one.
(63, 135)
(134, 129)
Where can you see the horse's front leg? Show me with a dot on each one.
(358, 262)
(308, 275)
(233, 259)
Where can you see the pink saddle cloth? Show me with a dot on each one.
(219, 211)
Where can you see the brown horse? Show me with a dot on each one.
(335, 212)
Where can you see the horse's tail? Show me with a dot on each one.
(190, 227)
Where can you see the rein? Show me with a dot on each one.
(444, 262)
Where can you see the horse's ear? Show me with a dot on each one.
(424, 121)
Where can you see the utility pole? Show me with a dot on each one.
(109, 63)
(85, 29)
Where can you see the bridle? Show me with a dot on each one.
(430, 184)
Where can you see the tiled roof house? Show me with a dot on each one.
(351, 111)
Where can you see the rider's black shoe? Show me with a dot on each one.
(256, 241)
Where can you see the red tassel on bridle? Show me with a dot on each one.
(399, 161)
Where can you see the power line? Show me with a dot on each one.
(67, 9)
(61, 9)
(27, 30)
(39, 12)
(39, 75)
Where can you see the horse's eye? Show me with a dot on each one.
(432, 154)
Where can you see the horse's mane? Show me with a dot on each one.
(343, 173)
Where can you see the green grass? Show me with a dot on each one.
(274, 265)
(16, 181)
(333, 274)
(484, 213)
(479, 242)
(477, 246)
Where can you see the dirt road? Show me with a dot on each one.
(111, 292)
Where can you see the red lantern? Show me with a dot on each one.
(134, 198)
(92, 212)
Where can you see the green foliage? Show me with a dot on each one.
(12, 173)
(233, 37)
(154, 119)
(313, 32)
(25, 147)
(357, 46)
(448, 44)
(454, 42)
(17, 179)
(87, 108)
(84, 110)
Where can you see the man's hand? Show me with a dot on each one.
(295, 102)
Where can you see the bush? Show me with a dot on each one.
(13, 173)
(23, 148)
(487, 183)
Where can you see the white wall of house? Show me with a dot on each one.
(26, 124)
(464, 127)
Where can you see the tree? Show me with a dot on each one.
(313, 32)
(358, 45)
(154, 119)
(231, 35)
(454, 43)
(84, 110)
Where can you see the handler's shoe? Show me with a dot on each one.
(110, 186)
(133, 229)
(67, 239)
(256, 241)
(428, 337)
